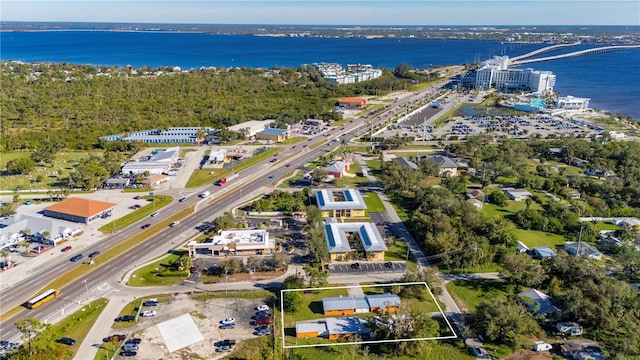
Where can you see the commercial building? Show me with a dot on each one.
(43, 230)
(333, 328)
(354, 73)
(353, 103)
(275, 135)
(154, 136)
(159, 162)
(572, 103)
(494, 73)
(234, 242)
(347, 305)
(251, 127)
(345, 240)
(79, 210)
(337, 169)
(347, 203)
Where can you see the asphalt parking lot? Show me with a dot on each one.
(368, 267)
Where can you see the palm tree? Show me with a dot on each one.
(4, 255)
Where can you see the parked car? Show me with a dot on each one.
(262, 332)
(67, 341)
(125, 318)
(66, 248)
(137, 197)
(226, 342)
(134, 341)
(478, 352)
(227, 326)
(389, 265)
(355, 265)
(118, 337)
(224, 349)
(262, 328)
(262, 308)
(77, 258)
(228, 321)
(150, 303)
(263, 321)
(131, 347)
(94, 254)
(128, 353)
(148, 313)
(145, 226)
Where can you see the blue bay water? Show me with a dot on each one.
(611, 80)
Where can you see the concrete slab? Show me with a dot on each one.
(180, 332)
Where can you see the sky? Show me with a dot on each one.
(330, 12)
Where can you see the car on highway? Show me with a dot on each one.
(228, 321)
(125, 318)
(148, 313)
(273, 160)
(145, 226)
(227, 326)
(272, 176)
(128, 353)
(76, 258)
(289, 165)
(94, 254)
(183, 199)
(262, 308)
(67, 341)
(66, 248)
(156, 213)
(174, 224)
(116, 337)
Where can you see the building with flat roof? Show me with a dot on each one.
(252, 126)
(342, 203)
(345, 239)
(572, 103)
(234, 242)
(275, 135)
(347, 305)
(161, 161)
(494, 73)
(333, 328)
(80, 210)
(516, 194)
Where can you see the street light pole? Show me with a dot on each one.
(87, 288)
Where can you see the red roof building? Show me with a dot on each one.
(79, 210)
(353, 103)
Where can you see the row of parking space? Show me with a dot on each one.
(356, 267)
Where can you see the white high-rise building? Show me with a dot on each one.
(494, 73)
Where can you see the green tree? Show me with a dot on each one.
(523, 270)
(30, 328)
(504, 321)
(319, 174)
(497, 197)
(20, 166)
(224, 222)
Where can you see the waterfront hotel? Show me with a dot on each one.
(494, 73)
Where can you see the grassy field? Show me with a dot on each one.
(52, 177)
(78, 324)
(374, 204)
(606, 226)
(146, 276)
(133, 307)
(470, 293)
(294, 140)
(511, 208)
(159, 202)
(399, 204)
(534, 238)
(418, 306)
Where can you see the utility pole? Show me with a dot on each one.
(87, 288)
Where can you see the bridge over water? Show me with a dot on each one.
(520, 60)
(543, 50)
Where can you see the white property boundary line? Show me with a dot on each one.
(454, 336)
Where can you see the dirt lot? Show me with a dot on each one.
(206, 315)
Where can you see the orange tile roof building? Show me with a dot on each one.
(79, 210)
(353, 103)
